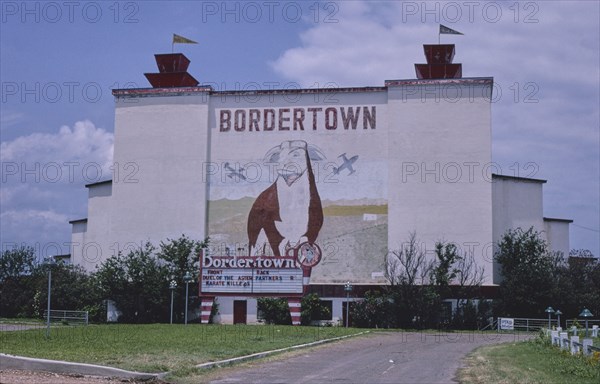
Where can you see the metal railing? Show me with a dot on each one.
(79, 317)
(491, 326)
(569, 323)
(528, 325)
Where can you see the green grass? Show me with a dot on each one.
(158, 347)
(529, 362)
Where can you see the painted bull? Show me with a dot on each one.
(289, 212)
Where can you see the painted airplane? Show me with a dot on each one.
(346, 164)
(233, 173)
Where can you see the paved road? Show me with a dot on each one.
(378, 358)
(18, 327)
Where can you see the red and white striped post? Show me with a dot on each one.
(295, 309)
(206, 309)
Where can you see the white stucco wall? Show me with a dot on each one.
(225, 313)
(78, 238)
(557, 235)
(517, 202)
(90, 238)
(439, 153)
(99, 224)
(161, 144)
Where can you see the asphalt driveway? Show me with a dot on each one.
(382, 357)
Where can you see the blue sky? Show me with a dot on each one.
(59, 61)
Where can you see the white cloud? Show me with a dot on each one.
(355, 51)
(556, 52)
(9, 118)
(33, 216)
(42, 180)
(81, 145)
(368, 43)
(36, 228)
(27, 193)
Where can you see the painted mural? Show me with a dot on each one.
(304, 204)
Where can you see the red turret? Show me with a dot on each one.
(439, 63)
(173, 72)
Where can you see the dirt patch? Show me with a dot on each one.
(28, 377)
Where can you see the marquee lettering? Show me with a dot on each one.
(249, 262)
(297, 119)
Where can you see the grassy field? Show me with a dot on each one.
(527, 363)
(158, 347)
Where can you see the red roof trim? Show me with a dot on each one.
(462, 80)
(179, 91)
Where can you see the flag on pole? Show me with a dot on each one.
(182, 40)
(448, 31)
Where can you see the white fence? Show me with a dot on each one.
(523, 324)
(573, 343)
(69, 317)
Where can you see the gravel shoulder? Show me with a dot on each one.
(26, 377)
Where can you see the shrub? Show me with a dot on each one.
(374, 311)
(274, 311)
(313, 309)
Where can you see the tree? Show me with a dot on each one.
(139, 281)
(17, 262)
(469, 278)
(578, 284)
(418, 286)
(443, 272)
(528, 271)
(409, 272)
(72, 289)
(18, 273)
(138, 284)
(24, 286)
(181, 256)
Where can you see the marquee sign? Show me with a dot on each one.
(260, 274)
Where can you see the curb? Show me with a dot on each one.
(66, 367)
(259, 355)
